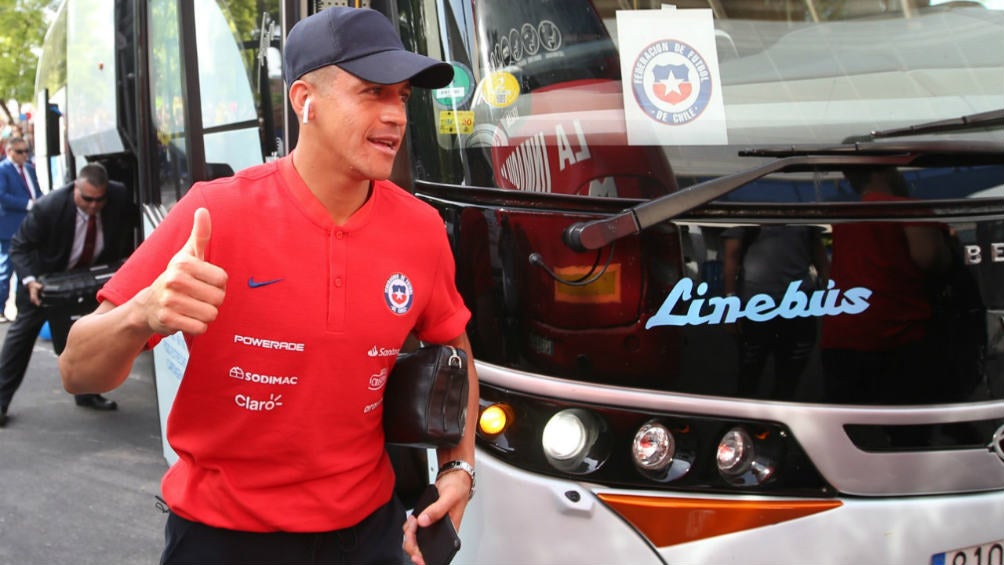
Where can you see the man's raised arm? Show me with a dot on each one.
(101, 346)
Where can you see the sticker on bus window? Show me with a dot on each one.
(499, 89)
(671, 85)
(526, 43)
(456, 121)
(459, 91)
(606, 289)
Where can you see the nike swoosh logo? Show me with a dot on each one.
(253, 284)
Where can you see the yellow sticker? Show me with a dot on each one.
(500, 89)
(456, 121)
(604, 290)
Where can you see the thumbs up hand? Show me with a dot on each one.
(187, 295)
(202, 229)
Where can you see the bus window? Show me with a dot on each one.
(238, 88)
(92, 112)
(168, 101)
(50, 89)
(541, 84)
(224, 81)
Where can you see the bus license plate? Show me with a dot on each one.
(991, 553)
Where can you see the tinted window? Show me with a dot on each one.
(866, 285)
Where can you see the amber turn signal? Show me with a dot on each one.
(495, 419)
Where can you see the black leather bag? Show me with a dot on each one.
(69, 295)
(425, 403)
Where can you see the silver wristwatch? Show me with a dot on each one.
(458, 465)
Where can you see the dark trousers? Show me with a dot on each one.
(790, 342)
(17, 347)
(377, 539)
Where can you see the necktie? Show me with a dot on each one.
(31, 193)
(88, 252)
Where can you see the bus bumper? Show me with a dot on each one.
(520, 517)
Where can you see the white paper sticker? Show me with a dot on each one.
(671, 83)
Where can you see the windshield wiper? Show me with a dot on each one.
(991, 119)
(585, 236)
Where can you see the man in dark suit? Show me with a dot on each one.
(18, 192)
(89, 221)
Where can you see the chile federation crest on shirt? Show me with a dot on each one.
(671, 82)
(398, 293)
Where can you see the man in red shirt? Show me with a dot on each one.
(295, 283)
(884, 354)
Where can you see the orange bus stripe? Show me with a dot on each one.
(669, 521)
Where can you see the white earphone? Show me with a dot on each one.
(306, 111)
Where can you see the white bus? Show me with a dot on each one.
(649, 392)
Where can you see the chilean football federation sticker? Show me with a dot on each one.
(398, 293)
(671, 85)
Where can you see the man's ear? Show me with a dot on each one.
(299, 98)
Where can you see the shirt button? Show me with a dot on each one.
(340, 235)
(338, 281)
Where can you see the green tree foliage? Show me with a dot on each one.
(22, 30)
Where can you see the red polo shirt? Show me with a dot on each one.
(876, 256)
(277, 423)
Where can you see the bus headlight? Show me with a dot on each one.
(653, 447)
(573, 441)
(735, 451)
(740, 462)
(564, 436)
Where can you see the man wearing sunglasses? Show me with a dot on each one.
(89, 221)
(18, 192)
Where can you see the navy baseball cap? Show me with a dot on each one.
(363, 42)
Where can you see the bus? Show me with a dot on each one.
(735, 266)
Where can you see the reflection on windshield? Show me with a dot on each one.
(921, 337)
(876, 310)
(813, 73)
(799, 285)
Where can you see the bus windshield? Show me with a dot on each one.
(856, 271)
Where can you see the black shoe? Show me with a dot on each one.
(96, 401)
(3, 418)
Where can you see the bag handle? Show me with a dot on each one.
(455, 360)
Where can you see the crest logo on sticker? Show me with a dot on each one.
(671, 82)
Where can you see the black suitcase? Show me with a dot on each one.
(68, 296)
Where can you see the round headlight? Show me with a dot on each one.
(575, 441)
(564, 436)
(735, 452)
(653, 447)
(744, 461)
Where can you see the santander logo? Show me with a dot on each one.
(383, 351)
(759, 308)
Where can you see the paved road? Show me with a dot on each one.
(78, 486)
